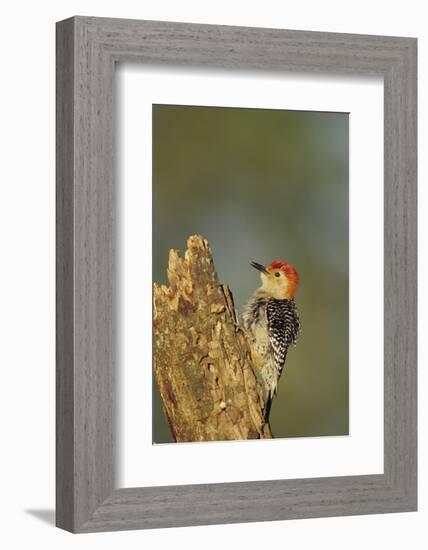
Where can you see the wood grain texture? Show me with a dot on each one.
(64, 278)
(202, 360)
(87, 49)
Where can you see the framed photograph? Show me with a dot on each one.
(236, 274)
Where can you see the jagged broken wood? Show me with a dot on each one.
(202, 360)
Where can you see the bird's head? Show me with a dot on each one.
(279, 279)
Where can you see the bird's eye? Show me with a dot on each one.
(277, 274)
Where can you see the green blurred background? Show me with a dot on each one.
(261, 185)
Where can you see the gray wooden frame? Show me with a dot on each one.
(87, 50)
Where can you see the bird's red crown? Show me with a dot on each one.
(290, 272)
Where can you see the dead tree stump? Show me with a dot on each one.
(202, 360)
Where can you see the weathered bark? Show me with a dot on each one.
(201, 357)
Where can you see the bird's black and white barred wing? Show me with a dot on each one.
(283, 327)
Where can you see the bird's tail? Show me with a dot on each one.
(268, 405)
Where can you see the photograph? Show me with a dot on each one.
(251, 273)
(210, 264)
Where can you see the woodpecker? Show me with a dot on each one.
(271, 322)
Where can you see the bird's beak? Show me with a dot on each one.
(260, 267)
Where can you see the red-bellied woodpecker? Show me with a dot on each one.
(271, 321)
